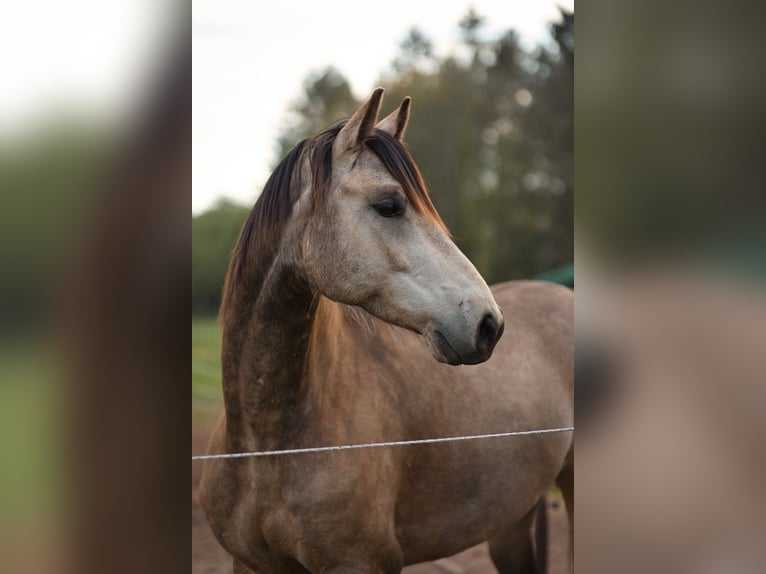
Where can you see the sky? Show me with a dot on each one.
(250, 58)
(87, 58)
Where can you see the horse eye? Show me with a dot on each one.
(390, 207)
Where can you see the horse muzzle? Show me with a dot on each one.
(466, 346)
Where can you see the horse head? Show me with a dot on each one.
(367, 234)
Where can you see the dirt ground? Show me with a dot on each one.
(209, 558)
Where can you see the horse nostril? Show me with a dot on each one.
(489, 333)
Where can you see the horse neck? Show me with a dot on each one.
(265, 347)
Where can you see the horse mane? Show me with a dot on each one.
(262, 232)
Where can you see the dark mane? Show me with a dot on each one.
(261, 234)
(262, 230)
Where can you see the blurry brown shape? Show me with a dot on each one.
(125, 332)
(670, 122)
(670, 477)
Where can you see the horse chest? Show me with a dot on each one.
(302, 511)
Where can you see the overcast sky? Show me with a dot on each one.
(89, 58)
(250, 59)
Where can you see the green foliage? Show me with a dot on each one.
(46, 180)
(213, 236)
(206, 366)
(30, 431)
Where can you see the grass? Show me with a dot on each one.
(30, 424)
(33, 411)
(206, 366)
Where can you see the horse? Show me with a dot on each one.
(342, 289)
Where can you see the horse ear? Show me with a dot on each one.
(395, 123)
(360, 126)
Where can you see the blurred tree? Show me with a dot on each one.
(416, 52)
(549, 127)
(327, 98)
(46, 181)
(213, 236)
(469, 27)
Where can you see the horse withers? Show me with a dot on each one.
(340, 273)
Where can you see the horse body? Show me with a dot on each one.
(303, 370)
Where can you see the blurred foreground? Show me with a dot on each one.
(94, 239)
(670, 398)
(671, 309)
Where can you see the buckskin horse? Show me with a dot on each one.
(342, 271)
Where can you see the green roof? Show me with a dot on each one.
(563, 275)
